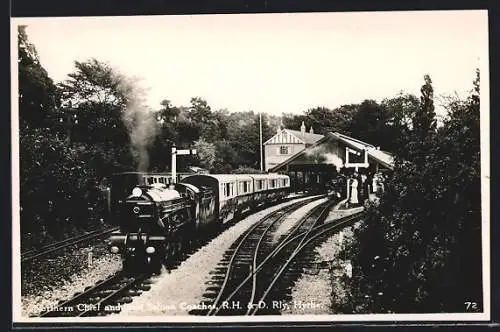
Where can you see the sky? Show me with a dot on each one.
(273, 63)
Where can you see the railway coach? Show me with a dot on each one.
(237, 193)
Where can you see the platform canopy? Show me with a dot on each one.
(331, 150)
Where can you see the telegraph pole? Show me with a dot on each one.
(260, 138)
(174, 164)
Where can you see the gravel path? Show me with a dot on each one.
(181, 290)
(317, 290)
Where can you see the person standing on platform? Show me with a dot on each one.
(353, 201)
(361, 188)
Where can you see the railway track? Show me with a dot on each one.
(104, 298)
(32, 254)
(298, 249)
(257, 274)
(239, 259)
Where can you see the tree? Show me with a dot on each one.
(227, 157)
(411, 247)
(326, 120)
(97, 96)
(400, 111)
(38, 95)
(205, 152)
(95, 82)
(371, 123)
(461, 144)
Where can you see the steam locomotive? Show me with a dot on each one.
(159, 218)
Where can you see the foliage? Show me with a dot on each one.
(206, 153)
(38, 96)
(421, 246)
(94, 82)
(65, 149)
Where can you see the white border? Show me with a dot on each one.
(447, 317)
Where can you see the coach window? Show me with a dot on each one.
(150, 180)
(245, 186)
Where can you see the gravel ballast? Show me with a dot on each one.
(66, 275)
(317, 289)
(292, 219)
(180, 291)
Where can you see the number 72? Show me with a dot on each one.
(470, 305)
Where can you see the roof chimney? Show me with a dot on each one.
(303, 128)
(311, 130)
(280, 126)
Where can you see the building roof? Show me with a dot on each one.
(301, 138)
(382, 157)
(308, 138)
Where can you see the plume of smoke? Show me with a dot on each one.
(139, 120)
(326, 155)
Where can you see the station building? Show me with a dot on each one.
(312, 160)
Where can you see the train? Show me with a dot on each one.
(159, 218)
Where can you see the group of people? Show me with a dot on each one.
(356, 187)
(360, 186)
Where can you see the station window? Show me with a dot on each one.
(228, 190)
(245, 186)
(272, 184)
(284, 149)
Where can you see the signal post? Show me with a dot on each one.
(176, 153)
